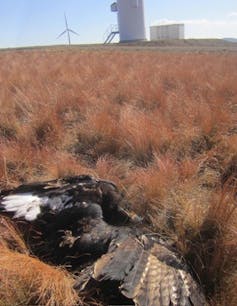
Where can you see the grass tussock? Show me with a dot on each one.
(212, 251)
(26, 280)
(161, 126)
(10, 237)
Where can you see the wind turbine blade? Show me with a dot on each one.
(62, 34)
(65, 17)
(73, 32)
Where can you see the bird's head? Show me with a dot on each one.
(113, 206)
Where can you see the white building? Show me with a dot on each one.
(167, 31)
(131, 20)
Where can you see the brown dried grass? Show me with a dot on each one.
(25, 280)
(162, 126)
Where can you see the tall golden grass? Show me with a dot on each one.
(162, 126)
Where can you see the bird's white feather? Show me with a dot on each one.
(25, 205)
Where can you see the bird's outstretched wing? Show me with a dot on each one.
(151, 276)
(31, 201)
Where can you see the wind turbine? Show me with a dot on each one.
(67, 31)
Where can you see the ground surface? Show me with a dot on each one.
(187, 45)
(158, 119)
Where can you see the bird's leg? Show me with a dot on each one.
(68, 239)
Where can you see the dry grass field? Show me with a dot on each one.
(162, 126)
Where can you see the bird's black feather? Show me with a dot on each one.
(82, 224)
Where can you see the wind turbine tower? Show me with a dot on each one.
(67, 31)
(131, 19)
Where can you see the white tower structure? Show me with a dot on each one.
(131, 20)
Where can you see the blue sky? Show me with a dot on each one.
(38, 22)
